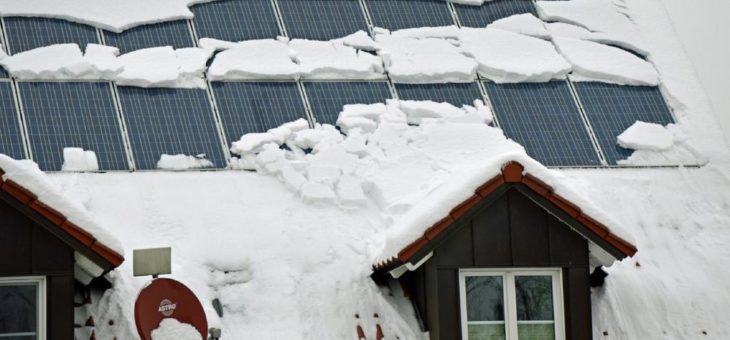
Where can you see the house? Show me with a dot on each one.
(379, 169)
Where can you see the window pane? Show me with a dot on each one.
(542, 331)
(484, 298)
(18, 310)
(486, 332)
(534, 297)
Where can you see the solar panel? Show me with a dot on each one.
(322, 19)
(11, 139)
(611, 109)
(246, 107)
(544, 118)
(456, 94)
(29, 33)
(81, 114)
(171, 33)
(400, 14)
(236, 20)
(491, 11)
(170, 121)
(327, 98)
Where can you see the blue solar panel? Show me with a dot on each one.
(80, 115)
(29, 33)
(544, 118)
(327, 98)
(11, 139)
(172, 33)
(491, 11)
(457, 94)
(611, 109)
(400, 14)
(170, 121)
(322, 19)
(236, 20)
(246, 107)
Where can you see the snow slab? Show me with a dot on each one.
(596, 62)
(657, 145)
(646, 136)
(255, 59)
(171, 329)
(62, 61)
(111, 15)
(77, 159)
(560, 29)
(426, 60)
(360, 40)
(334, 60)
(28, 175)
(507, 57)
(441, 32)
(183, 162)
(526, 24)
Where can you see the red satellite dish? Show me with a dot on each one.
(167, 298)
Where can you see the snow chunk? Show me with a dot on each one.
(171, 329)
(191, 65)
(426, 60)
(76, 159)
(27, 174)
(526, 24)
(252, 143)
(349, 190)
(183, 162)
(164, 67)
(313, 192)
(359, 40)
(61, 61)
(215, 44)
(594, 61)
(333, 60)
(441, 32)
(560, 29)
(255, 59)
(417, 110)
(507, 57)
(103, 60)
(111, 15)
(646, 136)
(323, 173)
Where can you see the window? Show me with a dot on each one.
(511, 304)
(22, 308)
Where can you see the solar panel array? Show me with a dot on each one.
(129, 128)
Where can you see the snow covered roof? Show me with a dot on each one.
(511, 172)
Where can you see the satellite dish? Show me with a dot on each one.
(167, 298)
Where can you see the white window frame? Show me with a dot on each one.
(40, 281)
(510, 296)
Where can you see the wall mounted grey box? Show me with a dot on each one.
(153, 261)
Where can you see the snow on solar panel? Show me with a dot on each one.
(611, 109)
(328, 98)
(544, 118)
(236, 20)
(29, 33)
(457, 94)
(170, 121)
(172, 33)
(82, 114)
(11, 140)
(322, 19)
(246, 107)
(400, 14)
(491, 11)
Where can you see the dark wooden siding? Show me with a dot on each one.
(512, 231)
(27, 249)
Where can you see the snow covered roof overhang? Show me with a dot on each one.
(604, 246)
(92, 257)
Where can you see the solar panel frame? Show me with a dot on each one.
(171, 33)
(26, 33)
(545, 119)
(457, 94)
(611, 109)
(72, 114)
(491, 11)
(12, 142)
(322, 19)
(326, 99)
(242, 106)
(170, 121)
(236, 20)
(402, 14)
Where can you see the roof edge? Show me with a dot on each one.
(512, 172)
(29, 199)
